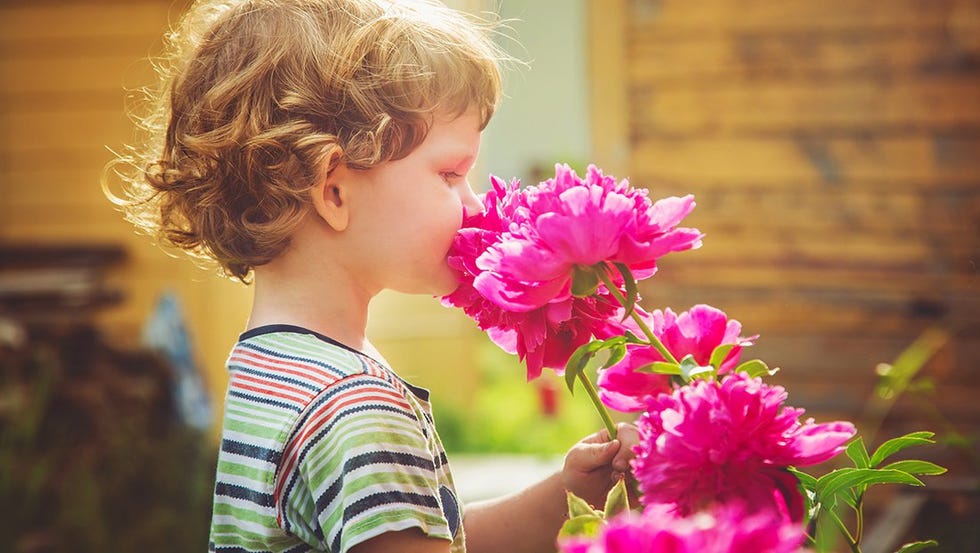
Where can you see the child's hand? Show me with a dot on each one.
(595, 463)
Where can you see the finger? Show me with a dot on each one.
(621, 462)
(628, 437)
(599, 437)
(586, 457)
(627, 432)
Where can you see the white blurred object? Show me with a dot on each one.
(487, 476)
(165, 331)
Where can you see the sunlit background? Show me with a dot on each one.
(833, 148)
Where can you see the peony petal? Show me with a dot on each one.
(514, 296)
(817, 443)
(669, 212)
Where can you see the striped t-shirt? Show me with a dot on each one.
(323, 448)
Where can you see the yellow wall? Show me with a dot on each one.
(62, 71)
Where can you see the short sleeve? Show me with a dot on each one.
(359, 465)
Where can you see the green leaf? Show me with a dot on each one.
(617, 501)
(579, 360)
(584, 282)
(826, 535)
(660, 367)
(895, 379)
(579, 507)
(923, 385)
(719, 354)
(850, 495)
(833, 482)
(631, 291)
(917, 546)
(756, 367)
(634, 339)
(916, 467)
(581, 526)
(690, 369)
(616, 354)
(808, 481)
(897, 444)
(858, 453)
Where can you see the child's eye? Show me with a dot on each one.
(450, 176)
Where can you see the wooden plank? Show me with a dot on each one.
(923, 280)
(111, 97)
(79, 183)
(68, 75)
(834, 217)
(804, 357)
(134, 42)
(783, 276)
(848, 394)
(81, 129)
(61, 20)
(781, 106)
(47, 226)
(817, 312)
(607, 68)
(736, 161)
(790, 15)
(821, 209)
(782, 248)
(663, 55)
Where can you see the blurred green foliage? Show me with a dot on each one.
(93, 457)
(510, 415)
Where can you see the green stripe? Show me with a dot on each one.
(245, 471)
(252, 409)
(257, 430)
(246, 515)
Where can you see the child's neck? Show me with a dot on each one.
(324, 299)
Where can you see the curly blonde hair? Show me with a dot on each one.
(260, 98)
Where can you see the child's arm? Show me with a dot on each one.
(406, 541)
(528, 521)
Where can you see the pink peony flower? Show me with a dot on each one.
(545, 336)
(695, 332)
(729, 441)
(724, 528)
(568, 223)
(517, 258)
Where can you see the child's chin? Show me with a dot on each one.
(443, 288)
(445, 284)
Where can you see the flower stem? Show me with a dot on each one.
(859, 511)
(654, 341)
(851, 542)
(603, 412)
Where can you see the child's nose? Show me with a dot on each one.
(471, 202)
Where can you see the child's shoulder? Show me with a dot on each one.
(295, 364)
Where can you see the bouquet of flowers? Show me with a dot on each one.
(550, 273)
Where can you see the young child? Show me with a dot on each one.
(320, 149)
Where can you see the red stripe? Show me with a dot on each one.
(268, 392)
(303, 394)
(260, 360)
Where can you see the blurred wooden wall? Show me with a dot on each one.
(834, 151)
(63, 69)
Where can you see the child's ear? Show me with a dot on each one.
(330, 196)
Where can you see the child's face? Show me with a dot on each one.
(405, 213)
